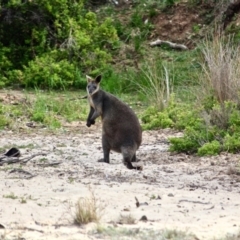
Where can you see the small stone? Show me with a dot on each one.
(143, 218)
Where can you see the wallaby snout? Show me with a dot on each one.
(92, 88)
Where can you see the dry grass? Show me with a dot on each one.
(87, 210)
(126, 219)
(221, 69)
(155, 83)
(220, 81)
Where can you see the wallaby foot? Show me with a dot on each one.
(103, 160)
(129, 165)
(139, 168)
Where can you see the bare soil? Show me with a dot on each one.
(179, 24)
(187, 193)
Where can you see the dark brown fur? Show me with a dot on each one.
(121, 131)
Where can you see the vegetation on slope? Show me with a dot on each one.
(53, 44)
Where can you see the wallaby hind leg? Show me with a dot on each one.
(134, 159)
(128, 164)
(106, 151)
(128, 158)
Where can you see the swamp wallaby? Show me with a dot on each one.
(121, 131)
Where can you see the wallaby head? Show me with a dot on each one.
(93, 85)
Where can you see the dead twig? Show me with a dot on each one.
(25, 160)
(209, 208)
(48, 164)
(191, 201)
(9, 160)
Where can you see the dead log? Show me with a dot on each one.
(170, 44)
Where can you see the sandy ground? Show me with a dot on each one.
(187, 193)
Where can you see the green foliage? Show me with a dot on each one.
(133, 25)
(47, 72)
(204, 132)
(184, 144)
(169, 3)
(153, 119)
(209, 148)
(49, 109)
(61, 36)
(153, 82)
(214, 125)
(184, 68)
(3, 120)
(231, 143)
(219, 132)
(176, 115)
(114, 81)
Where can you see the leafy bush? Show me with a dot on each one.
(176, 115)
(204, 133)
(210, 148)
(231, 143)
(209, 137)
(61, 36)
(214, 125)
(46, 72)
(184, 144)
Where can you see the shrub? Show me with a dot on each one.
(48, 72)
(215, 124)
(60, 37)
(209, 148)
(184, 144)
(175, 115)
(231, 143)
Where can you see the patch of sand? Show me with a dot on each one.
(174, 191)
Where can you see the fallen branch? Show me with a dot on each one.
(170, 44)
(10, 160)
(22, 171)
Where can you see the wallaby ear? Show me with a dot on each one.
(98, 78)
(89, 79)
